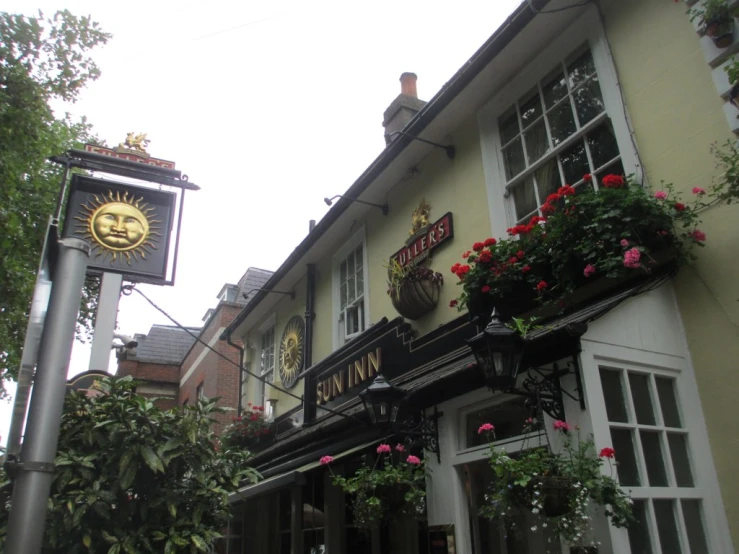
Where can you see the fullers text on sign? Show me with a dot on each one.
(420, 245)
(352, 376)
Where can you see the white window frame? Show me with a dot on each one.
(357, 239)
(596, 355)
(269, 374)
(587, 29)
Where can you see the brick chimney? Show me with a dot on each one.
(403, 108)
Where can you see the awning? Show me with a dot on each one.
(295, 477)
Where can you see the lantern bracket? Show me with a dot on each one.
(543, 389)
(422, 431)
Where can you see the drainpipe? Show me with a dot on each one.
(241, 368)
(310, 298)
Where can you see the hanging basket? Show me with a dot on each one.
(415, 299)
(557, 492)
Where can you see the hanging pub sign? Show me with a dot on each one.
(133, 149)
(128, 227)
(425, 237)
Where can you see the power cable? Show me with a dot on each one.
(127, 289)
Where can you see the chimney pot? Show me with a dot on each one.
(408, 84)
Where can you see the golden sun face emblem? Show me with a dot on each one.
(120, 226)
(291, 351)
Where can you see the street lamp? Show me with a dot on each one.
(498, 351)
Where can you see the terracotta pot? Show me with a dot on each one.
(416, 298)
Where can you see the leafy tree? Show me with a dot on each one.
(42, 60)
(132, 478)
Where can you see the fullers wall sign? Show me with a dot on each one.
(420, 245)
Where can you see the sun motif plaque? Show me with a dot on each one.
(128, 227)
(292, 346)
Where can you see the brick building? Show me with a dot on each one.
(171, 363)
(156, 361)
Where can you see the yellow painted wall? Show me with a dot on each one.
(448, 186)
(676, 114)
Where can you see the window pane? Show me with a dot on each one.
(603, 146)
(652, 448)
(352, 321)
(623, 444)
(360, 283)
(580, 69)
(642, 400)
(513, 159)
(530, 108)
(343, 295)
(555, 88)
(614, 395)
(342, 271)
(508, 124)
(694, 526)
(351, 290)
(561, 122)
(350, 265)
(537, 143)
(668, 401)
(680, 459)
(588, 101)
(508, 418)
(547, 179)
(358, 257)
(524, 198)
(639, 530)
(664, 512)
(575, 162)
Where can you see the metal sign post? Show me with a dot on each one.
(35, 471)
(110, 293)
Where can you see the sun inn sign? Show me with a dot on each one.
(358, 371)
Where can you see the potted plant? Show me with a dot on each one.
(394, 485)
(247, 430)
(717, 20)
(732, 72)
(616, 233)
(560, 487)
(414, 290)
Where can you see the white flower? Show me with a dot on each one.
(544, 525)
(533, 528)
(535, 510)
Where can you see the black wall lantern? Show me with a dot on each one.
(499, 352)
(382, 401)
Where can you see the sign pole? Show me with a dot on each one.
(110, 293)
(36, 466)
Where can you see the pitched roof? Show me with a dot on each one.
(165, 344)
(254, 278)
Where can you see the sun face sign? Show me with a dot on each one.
(119, 225)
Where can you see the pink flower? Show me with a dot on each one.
(699, 191)
(399, 447)
(560, 425)
(413, 460)
(541, 286)
(589, 270)
(607, 453)
(660, 195)
(698, 235)
(624, 243)
(632, 257)
(383, 448)
(325, 460)
(485, 427)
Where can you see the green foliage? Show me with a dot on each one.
(398, 275)
(132, 478)
(711, 12)
(560, 487)
(523, 326)
(386, 489)
(618, 231)
(732, 70)
(41, 60)
(726, 185)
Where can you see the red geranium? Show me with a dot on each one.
(478, 246)
(490, 242)
(613, 181)
(485, 289)
(679, 206)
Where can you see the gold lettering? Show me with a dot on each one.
(319, 394)
(374, 362)
(338, 384)
(360, 367)
(432, 236)
(423, 243)
(351, 375)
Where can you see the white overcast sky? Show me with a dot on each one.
(268, 106)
